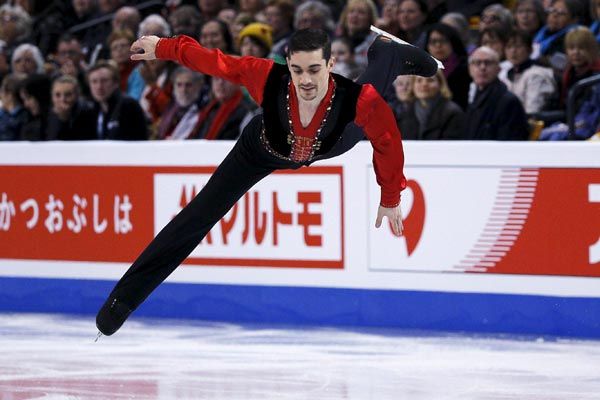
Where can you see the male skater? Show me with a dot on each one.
(309, 114)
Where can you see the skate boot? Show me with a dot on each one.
(111, 316)
(405, 58)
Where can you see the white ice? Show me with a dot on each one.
(55, 357)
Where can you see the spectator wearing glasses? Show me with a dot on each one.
(496, 15)
(314, 14)
(443, 43)
(549, 41)
(495, 113)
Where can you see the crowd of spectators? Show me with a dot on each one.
(509, 66)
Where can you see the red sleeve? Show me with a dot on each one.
(251, 72)
(377, 120)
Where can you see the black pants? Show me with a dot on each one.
(245, 165)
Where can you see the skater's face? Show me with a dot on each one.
(310, 73)
(484, 66)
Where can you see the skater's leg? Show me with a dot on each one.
(234, 177)
(388, 59)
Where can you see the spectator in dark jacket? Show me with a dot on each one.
(35, 94)
(495, 113)
(71, 118)
(432, 115)
(12, 113)
(444, 43)
(117, 117)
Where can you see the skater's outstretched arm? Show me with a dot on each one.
(251, 72)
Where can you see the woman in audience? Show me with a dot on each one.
(432, 115)
(355, 22)
(497, 16)
(215, 34)
(256, 40)
(412, 15)
(531, 83)
(314, 14)
(529, 16)
(583, 61)
(12, 114)
(443, 42)
(35, 94)
(563, 16)
(461, 26)
(403, 91)
(27, 59)
(119, 43)
(341, 49)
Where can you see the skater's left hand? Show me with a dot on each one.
(394, 215)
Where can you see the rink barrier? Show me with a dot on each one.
(500, 237)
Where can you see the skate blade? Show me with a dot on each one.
(400, 41)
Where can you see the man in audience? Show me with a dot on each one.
(180, 121)
(117, 117)
(494, 113)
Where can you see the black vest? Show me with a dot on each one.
(275, 115)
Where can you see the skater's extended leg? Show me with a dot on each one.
(235, 176)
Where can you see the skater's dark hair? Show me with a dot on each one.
(310, 40)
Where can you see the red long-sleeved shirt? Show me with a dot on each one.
(373, 114)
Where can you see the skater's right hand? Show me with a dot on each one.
(144, 48)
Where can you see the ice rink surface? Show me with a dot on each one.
(55, 357)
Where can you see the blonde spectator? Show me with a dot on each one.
(432, 115)
(583, 60)
(355, 22)
(119, 42)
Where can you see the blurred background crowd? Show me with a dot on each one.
(514, 70)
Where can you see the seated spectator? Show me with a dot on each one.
(227, 15)
(314, 14)
(240, 21)
(221, 117)
(497, 16)
(27, 60)
(12, 114)
(180, 121)
(432, 115)
(404, 96)
(117, 117)
(256, 40)
(215, 34)
(563, 16)
(119, 43)
(583, 61)
(279, 15)
(150, 81)
(126, 18)
(355, 24)
(209, 9)
(529, 16)
(461, 26)
(35, 95)
(595, 14)
(532, 84)
(341, 49)
(185, 20)
(15, 27)
(412, 15)
(388, 20)
(70, 60)
(495, 113)
(496, 39)
(71, 118)
(443, 42)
